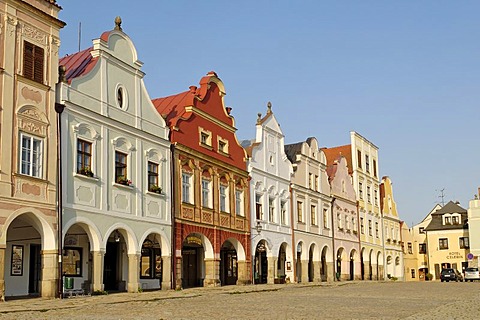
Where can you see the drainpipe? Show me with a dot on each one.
(294, 247)
(333, 241)
(173, 273)
(59, 109)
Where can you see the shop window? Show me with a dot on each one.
(72, 262)
(150, 261)
(33, 62)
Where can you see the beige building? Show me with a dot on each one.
(409, 257)
(474, 224)
(29, 44)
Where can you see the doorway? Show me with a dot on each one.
(110, 266)
(34, 270)
(190, 269)
(228, 264)
(261, 264)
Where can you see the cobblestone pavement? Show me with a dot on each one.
(340, 300)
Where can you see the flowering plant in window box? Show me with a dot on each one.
(155, 188)
(86, 171)
(123, 180)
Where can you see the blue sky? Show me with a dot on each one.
(404, 74)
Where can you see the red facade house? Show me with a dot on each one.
(210, 188)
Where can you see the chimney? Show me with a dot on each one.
(229, 109)
(193, 89)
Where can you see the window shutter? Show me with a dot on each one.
(38, 64)
(28, 60)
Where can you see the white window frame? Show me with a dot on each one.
(224, 199)
(239, 207)
(187, 188)
(271, 209)
(31, 161)
(206, 193)
(283, 212)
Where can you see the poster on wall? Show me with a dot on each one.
(17, 260)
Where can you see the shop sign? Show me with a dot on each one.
(194, 240)
(454, 255)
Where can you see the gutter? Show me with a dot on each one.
(173, 259)
(59, 109)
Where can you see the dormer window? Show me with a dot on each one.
(205, 137)
(455, 219)
(448, 220)
(222, 145)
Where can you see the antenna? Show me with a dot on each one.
(79, 35)
(442, 196)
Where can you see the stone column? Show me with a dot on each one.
(330, 271)
(243, 273)
(2, 273)
(212, 273)
(304, 271)
(272, 268)
(178, 272)
(97, 272)
(133, 272)
(374, 272)
(381, 273)
(48, 284)
(166, 273)
(317, 277)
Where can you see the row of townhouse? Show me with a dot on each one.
(105, 189)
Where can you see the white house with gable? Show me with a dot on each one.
(116, 221)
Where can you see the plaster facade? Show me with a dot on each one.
(29, 44)
(311, 205)
(270, 173)
(115, 171)
(474, 224)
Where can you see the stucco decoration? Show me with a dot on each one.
(27, 189)
(153, 208)
(121, 202)
(86, 130)
(84, 195)
(31, 120)
(34, 34)
(154, 154)
(32, 95)
(123, 144)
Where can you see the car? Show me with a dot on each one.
(472, 274)
(450, 274)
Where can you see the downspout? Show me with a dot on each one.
(294, 247)
(173, 273)
(59, 109)
(333, 242)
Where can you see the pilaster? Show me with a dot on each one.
(97, 274)
(49, 273)
(166, 273)
(212, 273)
(133, 272)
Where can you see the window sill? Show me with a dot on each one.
(206, 146)
(87, 178)
(156, 194)
(119, 185)
(26, 176)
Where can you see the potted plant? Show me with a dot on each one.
(155, 188)
(123, 180)
(86, 171)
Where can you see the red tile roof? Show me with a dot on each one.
(334, 153)
(78, 64)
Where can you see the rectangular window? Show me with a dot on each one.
(153, 185)
(33, 62)
(150, 262)
(422, 248)
(186, 187)
(410, 248)
(369, 197)
(283, 213)
(367, 163)
(354, 224)
(258, 207)
(299, 211)
(310, 181)
(413, 273)
(72, 262)
(32, 156)
(239, 202)
(443, 243)
(370, 232)
(464, 242)
(325, 218)
(347, 223)
(206, 193)
(84, 158)
(374, 168)
(339, 221)
(362, 227)
(448, 220)
(360, 190)
(455, 220)
(376, 230)
(376, 197)
(223, 198)
(271, 210)
(204, 138)
(359, 158)
(120, 167)
(313, 215)
(421, 230)
(316, 183)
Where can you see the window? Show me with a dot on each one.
(360, 190)
(376, 229)
(369, 197)
(421, 230)
(239, 202)
(33, 62)
(370, 227)
(347, 223)
(258, 207)
(443, 243)
(448, 220)
(374, 168)
(367, 163)
(339, 221)
(359, 158)
(413, 273)
(310, 181)
(120, 97)
(362, 229)
(186, 188)
(422, 248)
(325, 218)
(313, 215)
(316, 183)
(464, 242)
(32, 154)
(455, 220)
(299, 211)
(354, 224)
(223, 198)
(271, 209)
(283, 212)
(204, 138)
(72, 262)
(84, 158)
(120, 167)
(206, 193)
(410, 248)
(376, 197)
(150, 261)
(222, 145)
(153, 177)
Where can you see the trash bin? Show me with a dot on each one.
(68, 283)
